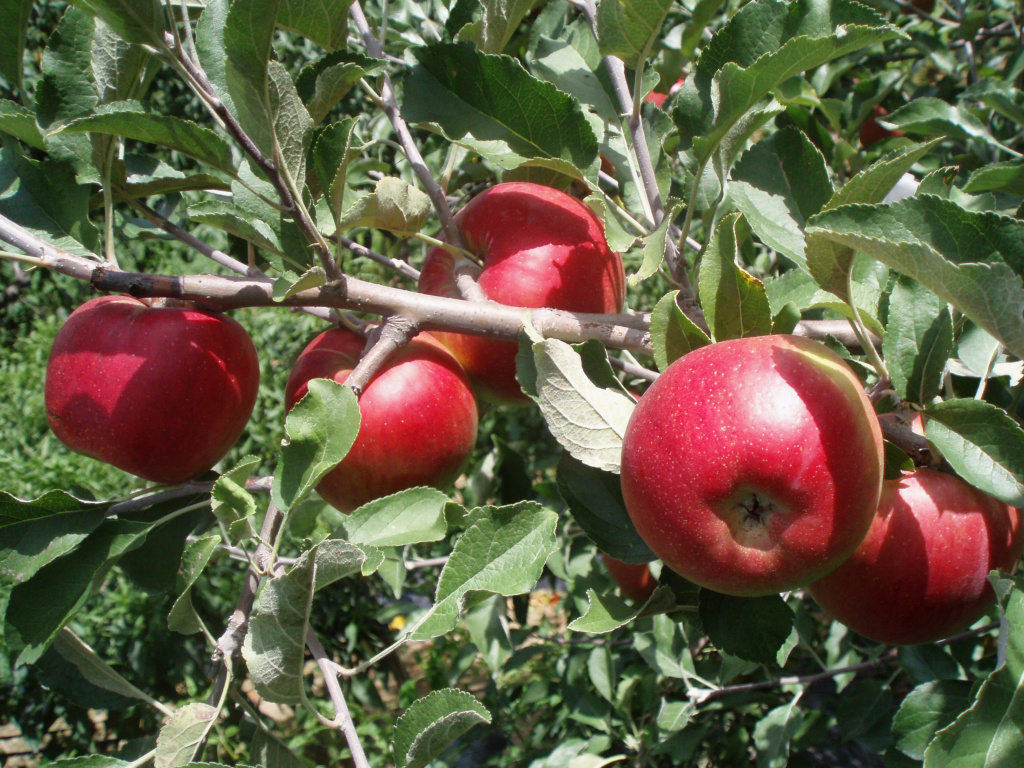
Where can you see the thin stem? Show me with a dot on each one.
(342, 717)
(862, 333)
(398, 265)
(394, 334)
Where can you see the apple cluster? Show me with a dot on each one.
(750, 467)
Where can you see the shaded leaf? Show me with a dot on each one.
(434, 722)
(673, 334)
(752, 628)
(628, 28)
(917, 341)
(926, 710)
(735, 303)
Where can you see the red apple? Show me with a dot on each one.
(871, 132)
(418, 413)
(635, 580)
(753, 466)
(540, 248)
(921, 572)
(160, 392)
(657, 98)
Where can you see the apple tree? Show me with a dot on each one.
(849, 173)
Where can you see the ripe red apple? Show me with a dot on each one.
(921, 572)
(540, 248)
(418, 413)
(160, 392)
(635, 580)
(753, 466)
(657, 98)
(871, 132)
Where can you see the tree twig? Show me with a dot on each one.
(342, 717)
(386, 339)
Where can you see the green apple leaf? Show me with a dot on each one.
(998, 95)
(917, 341)
(764, 44)
(478, 100)
(774, 732)
(137, 21)
(488, 23)
(673, 334)
(735, 303)
(293, 127)
(52, 503)
(183, 617)
(319, 430)
(325, 22)
(595, 500)
(561, 63)
(489, 632)
(988, 733)
(972, 260)
(606, 613)
(143, 175)
(751, 628)
(673, 716)
(247, 36)
(289, 284)
(654, 245)
(927, 663)
(130, 120)
(230, 502)
(233, 220)
(16, 120)
(430, 724)
(628, 28)
(408, 517)
(154, 564)
(268, 751)
(335, 148)
(588, 420)
(395, 206)
(831, 262)
(1006, 177)
(983, 444)
(927, 710)
(502, 552)
(92, 761)
(930, 116)
(865, 713)
(14, 16)
(664, 648)
(796, 287)
(325, 82)
(183, 735)
(777, 185)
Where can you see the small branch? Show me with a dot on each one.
(342, 717)
(396, 264)
(229, 643)
(385, 340)
(432, 562)
(637, 371)
(911, 443)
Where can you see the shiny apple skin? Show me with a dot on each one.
(418, 417)
(160, 392)
(779, 419)
(635, 580)
(921, 573)
(540, 248)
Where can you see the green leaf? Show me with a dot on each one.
(673, 334)
(267, 751)
(182, 736)
(325, 82)
(865, 713)
(130, 120)
(408, 517)
(777, 185)
(334, 149)
(988, 733)
(92, 668)
(601, 668)
(432, 723)
(917, 341)
(983, 444)
(289, 284)
(654, 246)
(183, 617)
(154, 564)
(830, 262)
(735, 303)
(503, 552)
(325, 22)
(930, 116)
(395, 206)
(927, 710)
(675, 715)
(293, 127)
(595, 499)
(230, 502)
(1006, 177)
(319, 431)
(606, 613)
(489, 632)
(479, 100)
(14, 510)
(15, 119)
(763, 45)
(774, 732)
(14, 17)
(999, 95)
(492, 24)
(628, 28)
(232, 219)
(588, 420)
(751, 628)
(664, 648)
(137, 21)
(972, 260)
(247, 36)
